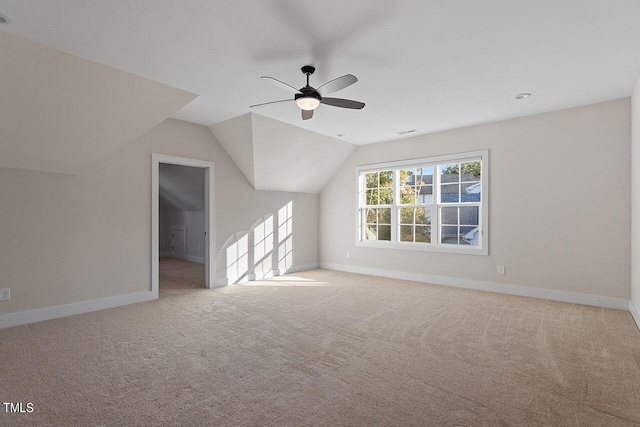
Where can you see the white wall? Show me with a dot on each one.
(74, 238)
(559, 204)
(635, 200)
(164, 232)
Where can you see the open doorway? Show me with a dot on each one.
(182, 223)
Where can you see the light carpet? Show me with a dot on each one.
(329, 349)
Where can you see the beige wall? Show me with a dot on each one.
(635, 197)
(74, 238)
(559, 205)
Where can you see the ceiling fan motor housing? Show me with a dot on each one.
(308, 92)
(308, 69)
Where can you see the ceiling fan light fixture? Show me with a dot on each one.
(308, 98)
(308, 102)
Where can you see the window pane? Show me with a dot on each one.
(470, 236)
(470, 172)
(468, 215)
(471, 192)
(426, 195)
(371, 197)
(406, 233)
(449, 235)
(450, 173)
(379, 188)
(371, 216)
(423, 234)
(411, 195)
(449, 215)
(384, 232)
(384, 216)
(386, 196)
(371, 232)
(423, 216)
(450, 193)
(407, 215)
(408, 195)
(386, 179)
(416, 185)
(371, 180)
(424, 175)
(374, 217)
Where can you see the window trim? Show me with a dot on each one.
(483, 249)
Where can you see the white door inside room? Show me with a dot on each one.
(178, 241)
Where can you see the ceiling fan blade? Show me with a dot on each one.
(337, 84)
(307, 114)
(272, 102)
(281, 85)
(344, 103)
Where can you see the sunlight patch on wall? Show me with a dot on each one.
(263, 238)
(285, 238)
(263, 251)
(238, 259)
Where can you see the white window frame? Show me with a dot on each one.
(435, 245)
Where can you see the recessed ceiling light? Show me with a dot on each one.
(4, 19)
(523, 95)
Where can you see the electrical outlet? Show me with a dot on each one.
(348, 255)
(5, 294)
(501, 269)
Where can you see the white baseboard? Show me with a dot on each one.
(48, 313)
(302, 267)
(634, 313)
(221, 282)
(525, 291)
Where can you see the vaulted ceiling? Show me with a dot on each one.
(423, 66)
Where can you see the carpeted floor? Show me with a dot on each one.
(329, 349)
(176, 276)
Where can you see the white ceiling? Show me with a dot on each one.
(425, 65)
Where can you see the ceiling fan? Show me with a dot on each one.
(308, 98)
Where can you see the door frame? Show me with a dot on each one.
(209, 206)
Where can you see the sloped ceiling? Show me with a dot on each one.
(181, 188)
(281, 157)
(236, 137)
(61, 113)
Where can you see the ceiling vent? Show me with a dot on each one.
(404, 132)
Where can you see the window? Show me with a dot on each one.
(434, 204)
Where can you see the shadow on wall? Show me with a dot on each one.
(264, 251)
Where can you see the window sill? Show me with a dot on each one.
(463, 250)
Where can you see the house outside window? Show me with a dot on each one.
(432, 204)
